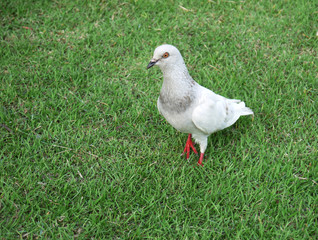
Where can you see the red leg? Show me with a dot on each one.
(189, 144)
(201, 159)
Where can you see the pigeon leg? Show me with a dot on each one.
(189, 144)
(200, 160)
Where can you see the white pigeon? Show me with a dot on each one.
(189, 107)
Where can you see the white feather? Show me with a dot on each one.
(189, 107)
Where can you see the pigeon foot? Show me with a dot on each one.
(189, 144)
(200, 160)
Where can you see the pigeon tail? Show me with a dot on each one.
(246, 111)
(239, 109)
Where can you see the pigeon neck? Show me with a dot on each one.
(177, 84)
(176, 75)
(178, 89)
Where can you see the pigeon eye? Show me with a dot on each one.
(165, 55)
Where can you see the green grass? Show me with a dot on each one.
(85, 154)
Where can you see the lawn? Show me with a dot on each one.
(85, 154)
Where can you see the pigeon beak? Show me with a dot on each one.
(152, 63)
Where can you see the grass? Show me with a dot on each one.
(85, 154)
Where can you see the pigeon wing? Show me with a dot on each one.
(214, 112)
(209, 116)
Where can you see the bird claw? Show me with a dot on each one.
(200, 160)
(188, 146)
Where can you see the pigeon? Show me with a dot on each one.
(189, 107)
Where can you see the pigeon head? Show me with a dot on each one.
(166, 56)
